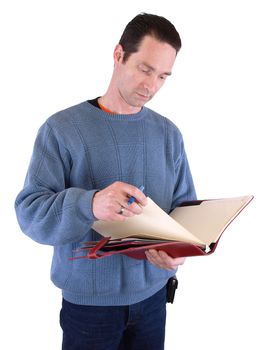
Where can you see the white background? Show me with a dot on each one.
(58, 53)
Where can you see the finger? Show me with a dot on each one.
(133, 191)
(134, 208)
(170, 262)
(154, 258)
(150, 258)
(163, 260)
(120, 217)
(126, 212)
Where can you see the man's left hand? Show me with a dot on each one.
(163, 260)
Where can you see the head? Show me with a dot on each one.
(143, 60)
(148, 25)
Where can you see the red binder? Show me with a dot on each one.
(135, 247)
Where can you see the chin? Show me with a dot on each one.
(141, 102)
(137, 104)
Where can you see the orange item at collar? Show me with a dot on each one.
(105, 109)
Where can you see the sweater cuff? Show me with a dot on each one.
(85, 205)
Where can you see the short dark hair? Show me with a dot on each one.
(148, 24)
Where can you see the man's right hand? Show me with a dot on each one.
(111, 203)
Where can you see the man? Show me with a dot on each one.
(87, 161)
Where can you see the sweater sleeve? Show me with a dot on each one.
(184, 189)
(48, 209)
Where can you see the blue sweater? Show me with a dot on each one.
(81, 150)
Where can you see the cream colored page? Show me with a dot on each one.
(153, 223)
(209, 219)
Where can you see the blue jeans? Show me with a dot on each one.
(139, 326)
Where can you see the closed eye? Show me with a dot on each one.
(146, 70)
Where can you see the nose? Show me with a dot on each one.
(150, 84)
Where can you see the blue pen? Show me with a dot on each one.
(132, 199)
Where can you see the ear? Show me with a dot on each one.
(118, 53)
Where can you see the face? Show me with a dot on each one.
(144, 73)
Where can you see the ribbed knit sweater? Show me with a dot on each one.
(77, 152)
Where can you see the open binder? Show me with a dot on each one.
(194, 228)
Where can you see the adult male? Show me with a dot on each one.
(87, 161)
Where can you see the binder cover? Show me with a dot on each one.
(198, 226)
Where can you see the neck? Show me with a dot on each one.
(116, 104)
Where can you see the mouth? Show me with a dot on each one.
(144, 97)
